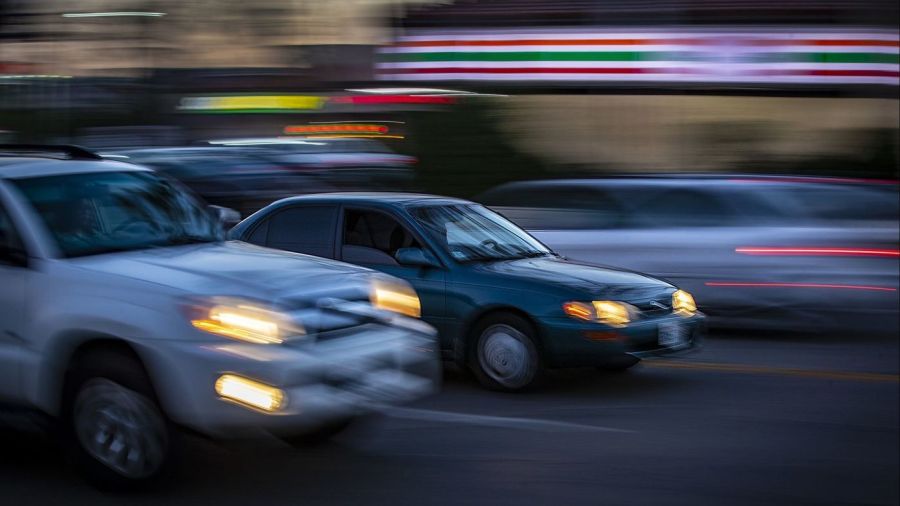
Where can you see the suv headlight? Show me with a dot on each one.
(683, 303)
(396, 297)
(612, 313)
(244, 321)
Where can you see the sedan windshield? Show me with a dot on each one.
(474, 233)
(102, 212)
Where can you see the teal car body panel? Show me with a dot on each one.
(454, 294)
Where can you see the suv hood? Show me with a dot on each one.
(607, 282)
(236, 269)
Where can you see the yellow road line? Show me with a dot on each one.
(784, 371)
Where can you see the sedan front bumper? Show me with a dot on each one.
(572, 343)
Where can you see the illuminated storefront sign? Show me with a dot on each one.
(393, 100)
(343, 130)
(232, 104)
(351, 128)
(750, 55)
(252, 103)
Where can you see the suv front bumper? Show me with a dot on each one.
(321, 381)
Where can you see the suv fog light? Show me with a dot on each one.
(250, 393)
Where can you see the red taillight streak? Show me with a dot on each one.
(848, 252)
(799, 285)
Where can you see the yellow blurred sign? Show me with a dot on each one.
(251, 103)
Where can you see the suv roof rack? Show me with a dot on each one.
(72, 152)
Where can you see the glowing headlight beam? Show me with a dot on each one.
(396, 298)
(683, 303)
(246, 323)
(612, 313)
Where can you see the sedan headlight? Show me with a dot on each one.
(396, 297)
(612, 313)
(244, 321)
(683, 303)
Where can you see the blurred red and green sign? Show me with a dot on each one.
(865, 56)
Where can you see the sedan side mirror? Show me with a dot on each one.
(416, 256)
(227, 217)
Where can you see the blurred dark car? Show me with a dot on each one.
(346, 163)
(504, 304)
(228, 177)
(805, 254)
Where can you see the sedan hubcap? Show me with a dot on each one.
(120, 428)
(503, 355)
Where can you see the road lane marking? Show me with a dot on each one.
(783, 371)
(496, 421)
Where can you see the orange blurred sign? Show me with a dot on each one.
(353, 128)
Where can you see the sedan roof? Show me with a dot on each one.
(389, 198)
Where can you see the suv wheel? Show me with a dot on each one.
(119, 436)
(505, 356)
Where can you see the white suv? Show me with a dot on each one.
(124, 315)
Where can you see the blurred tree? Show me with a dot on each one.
(461, 151)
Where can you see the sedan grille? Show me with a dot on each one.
(657, 307)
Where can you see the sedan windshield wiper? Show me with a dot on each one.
(536, 254)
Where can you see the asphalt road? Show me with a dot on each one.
(749, 420)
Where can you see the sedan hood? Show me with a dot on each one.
(238, 269)
(607, 282)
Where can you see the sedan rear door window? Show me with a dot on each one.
(309, 230)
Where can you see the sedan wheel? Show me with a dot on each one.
(120, 428)
(506, 357)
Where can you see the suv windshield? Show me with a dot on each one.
(473, 233)
(102, 212)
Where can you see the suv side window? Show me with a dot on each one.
(558, 208)
(684, 208)
(373, 237)
(11, 250)
(301, 229)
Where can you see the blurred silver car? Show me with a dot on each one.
(125, 316)
(346, 163)
(236, 178)
(807, 254)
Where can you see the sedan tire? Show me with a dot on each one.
(505, 356)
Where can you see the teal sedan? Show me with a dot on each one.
(505, 305)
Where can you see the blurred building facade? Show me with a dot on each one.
(837, 114)
(661, 133)
(38, 39)
(672, 85)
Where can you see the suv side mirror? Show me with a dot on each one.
(227, 217)
(416, 256)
